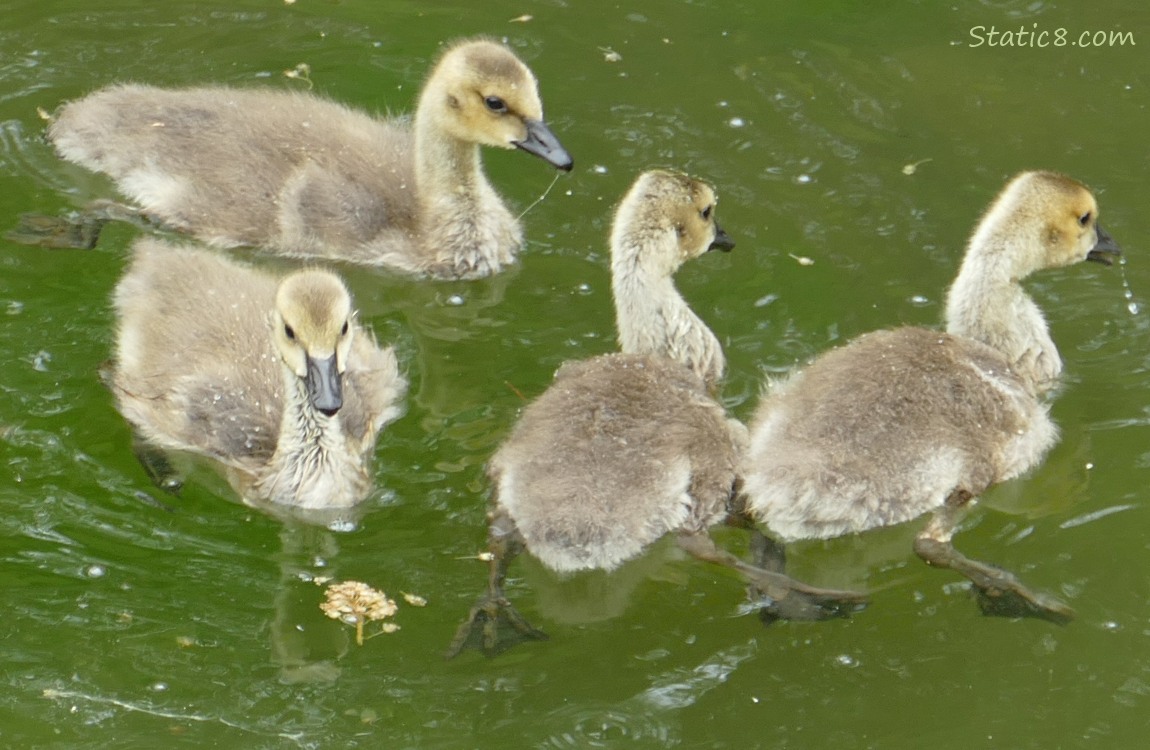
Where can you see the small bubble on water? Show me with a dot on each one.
(158, 687)
(736, 122)
(1111, 626)
(599, 169)
(455, 300)
(95, 571)
(919, 301)
(40, 361)
(846, 660)
(804, 179)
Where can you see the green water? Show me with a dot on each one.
(137, 621)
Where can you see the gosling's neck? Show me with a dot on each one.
(987, 303)
(465, 230)
(313, 465)
(650, 314)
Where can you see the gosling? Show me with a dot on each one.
(624, 448)
(907, 421)
(272, 378)
(307, 177)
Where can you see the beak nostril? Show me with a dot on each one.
(329, 412)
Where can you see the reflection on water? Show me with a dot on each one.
(304, 646)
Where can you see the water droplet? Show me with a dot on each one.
(736, 122)
(95, 571)
(846, 660)
(1131, 306)
(804, 179)
(599, 169)
(455, 300)
(158, 687)
(919, 301)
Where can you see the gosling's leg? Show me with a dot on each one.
(493, 609)
(157, 465)
(768, 553)
(999, 592)
(785, 598)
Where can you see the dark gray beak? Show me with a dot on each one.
(722, 240)
(1105, 248)
(543, 143)
(323, 385)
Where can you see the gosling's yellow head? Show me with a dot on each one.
(1051, 220)
(663, 204)
(313, 333)
(480, 92)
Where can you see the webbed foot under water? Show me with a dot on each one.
(76, 230)
(493, 626)
(779, 596)
(999, 592)
(79, 230)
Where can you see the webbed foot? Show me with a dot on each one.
(490, 619)
(783, 598)
(76, 230)
(1016, 600)
(780, 596)
(999, 591)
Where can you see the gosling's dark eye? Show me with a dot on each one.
(707, 213)
(289, 332)
(343, 331)
(1084, 219)
(495, 104)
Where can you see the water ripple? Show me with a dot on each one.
(649, 714)
(1086, 518)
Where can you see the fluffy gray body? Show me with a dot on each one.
(307, 177)
(620, 450)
